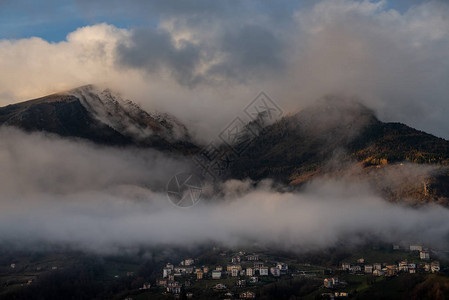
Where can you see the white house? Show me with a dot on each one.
(424, 254)
(252, 257)
(166, 272)
(403, 266)
(368, 269)
(263, 271)
(282, 266)
(216, 274)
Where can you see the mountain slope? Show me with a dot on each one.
(330, 137)
(333, 138)
(99, 116)
(335, 128)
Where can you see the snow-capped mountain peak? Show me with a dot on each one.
(127, 117)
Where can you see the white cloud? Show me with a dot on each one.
(34, 67)
(68, 193)
(209, 68)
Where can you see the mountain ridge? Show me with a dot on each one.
(99, 116)
(326, 139)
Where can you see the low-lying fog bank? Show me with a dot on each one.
(75, 194)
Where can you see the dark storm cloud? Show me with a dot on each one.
(235, 42)
(244, 53)
(250, 51)
(152, 50)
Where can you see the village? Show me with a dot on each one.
(244, 272)
(377, 269)
(218, 272)
(246, 269)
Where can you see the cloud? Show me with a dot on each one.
(248, 52)
(204, 62)
(153, 50)
(34, 67)
(389, 59)
(37, 164)
(68, 193)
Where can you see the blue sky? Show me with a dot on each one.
(52, 20)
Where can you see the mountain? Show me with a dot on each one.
(335, 137)
(340, 137)
(100, 116)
